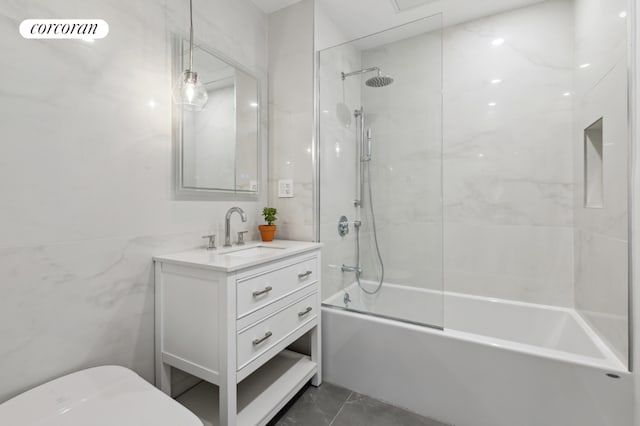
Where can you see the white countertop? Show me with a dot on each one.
(232, 259)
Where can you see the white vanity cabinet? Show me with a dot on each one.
(229, 316)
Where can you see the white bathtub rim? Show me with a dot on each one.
(354, 286)
(609, 365)
(612, 360)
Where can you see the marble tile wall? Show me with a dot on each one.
(291, 118)
(406, 167)
(519, 88)
(338, 161)
(507, 169)
(85, 176)
(327, 33)
(337, 144)
(602, 234)
(508, 179)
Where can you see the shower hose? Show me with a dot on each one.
(375, 239)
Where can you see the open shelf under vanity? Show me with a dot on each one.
(260, 396)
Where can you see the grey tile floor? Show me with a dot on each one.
(336, 406)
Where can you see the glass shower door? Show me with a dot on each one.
(380, 159)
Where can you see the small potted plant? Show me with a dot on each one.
(268, 231)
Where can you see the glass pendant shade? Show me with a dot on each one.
(189, 93)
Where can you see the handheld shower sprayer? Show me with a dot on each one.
(365, 147)
(365, 140)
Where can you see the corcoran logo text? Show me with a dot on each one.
(64, 28)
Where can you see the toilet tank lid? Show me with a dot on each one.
(101, 396)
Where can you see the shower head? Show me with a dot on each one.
(377, 81)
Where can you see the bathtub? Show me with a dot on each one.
(495, 362)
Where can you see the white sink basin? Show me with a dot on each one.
(257, 251)
(238, 257)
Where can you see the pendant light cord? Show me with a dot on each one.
(190, 35)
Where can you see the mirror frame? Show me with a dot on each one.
(188, 193)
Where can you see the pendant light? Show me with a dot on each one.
(188, 92)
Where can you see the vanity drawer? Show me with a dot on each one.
(261, 336)
(257, 291)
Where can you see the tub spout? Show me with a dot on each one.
(356, 269)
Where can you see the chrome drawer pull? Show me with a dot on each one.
(266, 290)
(305, 312)
(305, 274)
(268, 334)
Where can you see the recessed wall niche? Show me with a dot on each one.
(593, 166)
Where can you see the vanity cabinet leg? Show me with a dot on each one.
(228, 405)
(163, 371)
(228, 377)
(316, 354)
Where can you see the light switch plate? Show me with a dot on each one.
(285, 188)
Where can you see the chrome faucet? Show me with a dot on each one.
(227, 223)
(346, 299)
(356, 269)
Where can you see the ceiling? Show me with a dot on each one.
(270, 6)
(387, 13)
(355, 19)
(408, 4)
(359, 18)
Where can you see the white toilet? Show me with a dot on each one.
(102, 396)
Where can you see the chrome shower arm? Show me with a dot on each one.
(362, 71)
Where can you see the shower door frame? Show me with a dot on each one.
(633, 179)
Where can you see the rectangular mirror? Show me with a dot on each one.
(217, 149)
